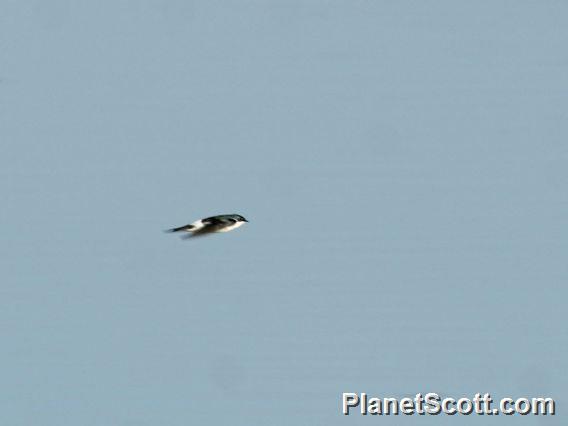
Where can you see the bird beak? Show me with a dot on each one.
(246, 220)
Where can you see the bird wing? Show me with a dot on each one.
(213, 224)
(218, 221)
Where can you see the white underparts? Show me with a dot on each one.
(231, 227)
(198, 225)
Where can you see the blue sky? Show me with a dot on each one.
(402, 166)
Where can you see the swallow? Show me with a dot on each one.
(213, 224)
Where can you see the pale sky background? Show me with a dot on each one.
(403, 165)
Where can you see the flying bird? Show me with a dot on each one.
(209, 225)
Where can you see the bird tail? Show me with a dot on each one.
(181, 228)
